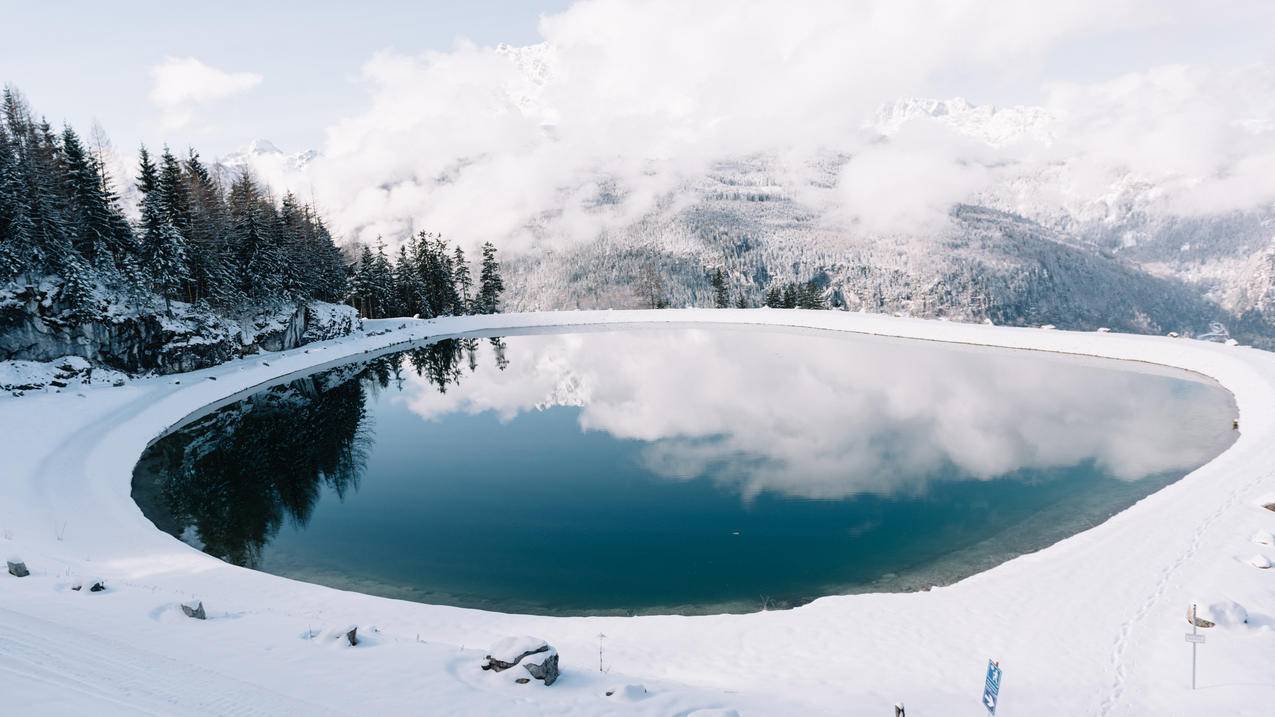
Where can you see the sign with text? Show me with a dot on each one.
(992, 687)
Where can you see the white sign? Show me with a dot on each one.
(1197, 639)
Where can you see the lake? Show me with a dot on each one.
(685, 469)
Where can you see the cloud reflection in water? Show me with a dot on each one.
(819, 415)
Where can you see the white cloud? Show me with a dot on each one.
(181, 83)
(638, 98)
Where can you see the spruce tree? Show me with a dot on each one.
(774, 298)
(256, 254)
(166, 262)
(464, 282)
(361, 284)
(409, 287)
(490, 283)
(721, 299)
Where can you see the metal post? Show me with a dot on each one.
(1195, 630)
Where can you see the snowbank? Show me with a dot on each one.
(1091, 625)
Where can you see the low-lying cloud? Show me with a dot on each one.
(626, 102)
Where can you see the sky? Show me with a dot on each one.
(422, 122)
(84, 61)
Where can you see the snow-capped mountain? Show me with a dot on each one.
(269, 163)
(996, 126)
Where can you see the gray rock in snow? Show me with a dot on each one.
(95, 585)
(535, 655)
(18, 569)
(543, 666)
(352, 636)
(194, 609)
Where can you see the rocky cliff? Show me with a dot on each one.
(37, 325)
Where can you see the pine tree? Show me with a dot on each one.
(256, 253)
(409, 288)
(78, 289)
(790, 296)
(810, 296)
(361, 284)
(208, 242)
(774, 298)
(166, 262)
(99, 232)
(382, 283)
(464, 282)
(721, 299)
(490, 283)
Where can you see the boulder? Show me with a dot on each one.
(535, 655)
(352, 635)
(17, 568)
(194, 609)
(543, 666)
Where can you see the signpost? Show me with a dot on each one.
(992, 686)
(1196, 639)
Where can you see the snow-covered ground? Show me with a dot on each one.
(1092, 625)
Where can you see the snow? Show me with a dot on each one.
(509, 649)
(1090, 625)
(17, 376)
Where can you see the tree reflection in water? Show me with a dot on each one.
(228, 481)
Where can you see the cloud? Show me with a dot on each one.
(179, 84)
(1206, 135)
(625, 101)
(626, 106)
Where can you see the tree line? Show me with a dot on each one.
(427, 279)
(791, 295)
(195, 241)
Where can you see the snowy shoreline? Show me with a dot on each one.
(1091, 625)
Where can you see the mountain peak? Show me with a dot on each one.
(262, 146)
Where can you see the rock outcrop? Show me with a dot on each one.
(36, 326)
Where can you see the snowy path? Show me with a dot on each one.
(1092, 625)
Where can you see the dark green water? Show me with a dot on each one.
(676, 469)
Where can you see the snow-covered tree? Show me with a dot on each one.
(491, 285)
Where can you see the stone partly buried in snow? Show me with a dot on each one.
(17, 568)
(194, 609)
(94, 585)
(536, 656)
(1226, 613)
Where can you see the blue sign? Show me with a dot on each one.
(992, 687)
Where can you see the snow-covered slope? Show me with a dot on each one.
(1091, 625)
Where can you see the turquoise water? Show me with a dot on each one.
(673, 470)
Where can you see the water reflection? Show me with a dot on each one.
(686, 469)
(230, 480)
(817, 415)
